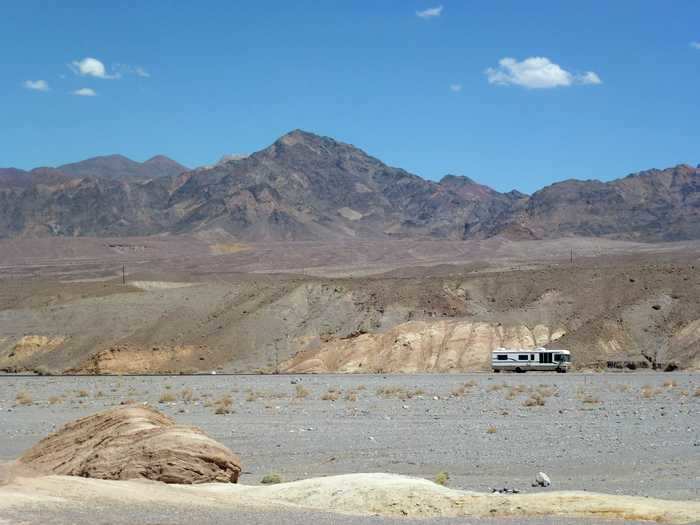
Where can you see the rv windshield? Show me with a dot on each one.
(562, 357)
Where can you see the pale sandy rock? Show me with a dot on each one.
(133, 442)
(421, 346)
(374, 494)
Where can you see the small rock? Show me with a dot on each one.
(542, 479)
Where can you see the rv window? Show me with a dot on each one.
(522, 357)
(532, 357)
(557, 357)
(502, 357)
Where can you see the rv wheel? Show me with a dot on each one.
(496, 371)
(519, 370)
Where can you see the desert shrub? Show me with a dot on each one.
(271, 479)
(53, 400)
(649, 392)
(546, 391)
(23, 398)
(458, 391)
(187, 395)
(491, 430)
(351, 396)
(42, 371)
(167, 397)
(223, 405)
(670, 383)
(590, 399)
(333, 394)
(300, 392)
(461, 390)
(441, 478)
(398, 393)
(389, 391)
(535, 400)
(83, 393)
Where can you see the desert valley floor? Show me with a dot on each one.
(616, 433)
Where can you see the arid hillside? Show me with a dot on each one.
(180, 311)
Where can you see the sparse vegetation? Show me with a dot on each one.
(590, 399)
(23, 398)
(187, 395)
(54, 400)
(398, 392)
(535, 400)
(271, 479)
(83, 393)
(463, 389)
(300, 392)
(333, 394)
(441, 478)
(167, 397)
(649, 392)
(223, 405)
(491, 430)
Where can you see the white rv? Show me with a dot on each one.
(520, 360)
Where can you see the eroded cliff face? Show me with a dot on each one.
(422, 346)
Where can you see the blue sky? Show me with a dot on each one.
(513, 94)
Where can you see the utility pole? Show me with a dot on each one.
(123, 273)
(572, 256)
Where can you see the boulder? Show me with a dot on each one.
(132, 442)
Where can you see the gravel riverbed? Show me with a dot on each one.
(619, 433)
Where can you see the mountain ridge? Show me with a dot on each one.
(309, 187)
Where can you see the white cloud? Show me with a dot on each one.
(695, 45)
(536, 73)
(85, 92)
(589, 77)
(455, 88)
(431, 12)
(91, 67)
(36, 85)
(126, 69)
(141, 72)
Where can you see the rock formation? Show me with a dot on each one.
(132, 442)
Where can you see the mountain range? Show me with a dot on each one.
(308, 187)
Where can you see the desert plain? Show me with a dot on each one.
(267, 349)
